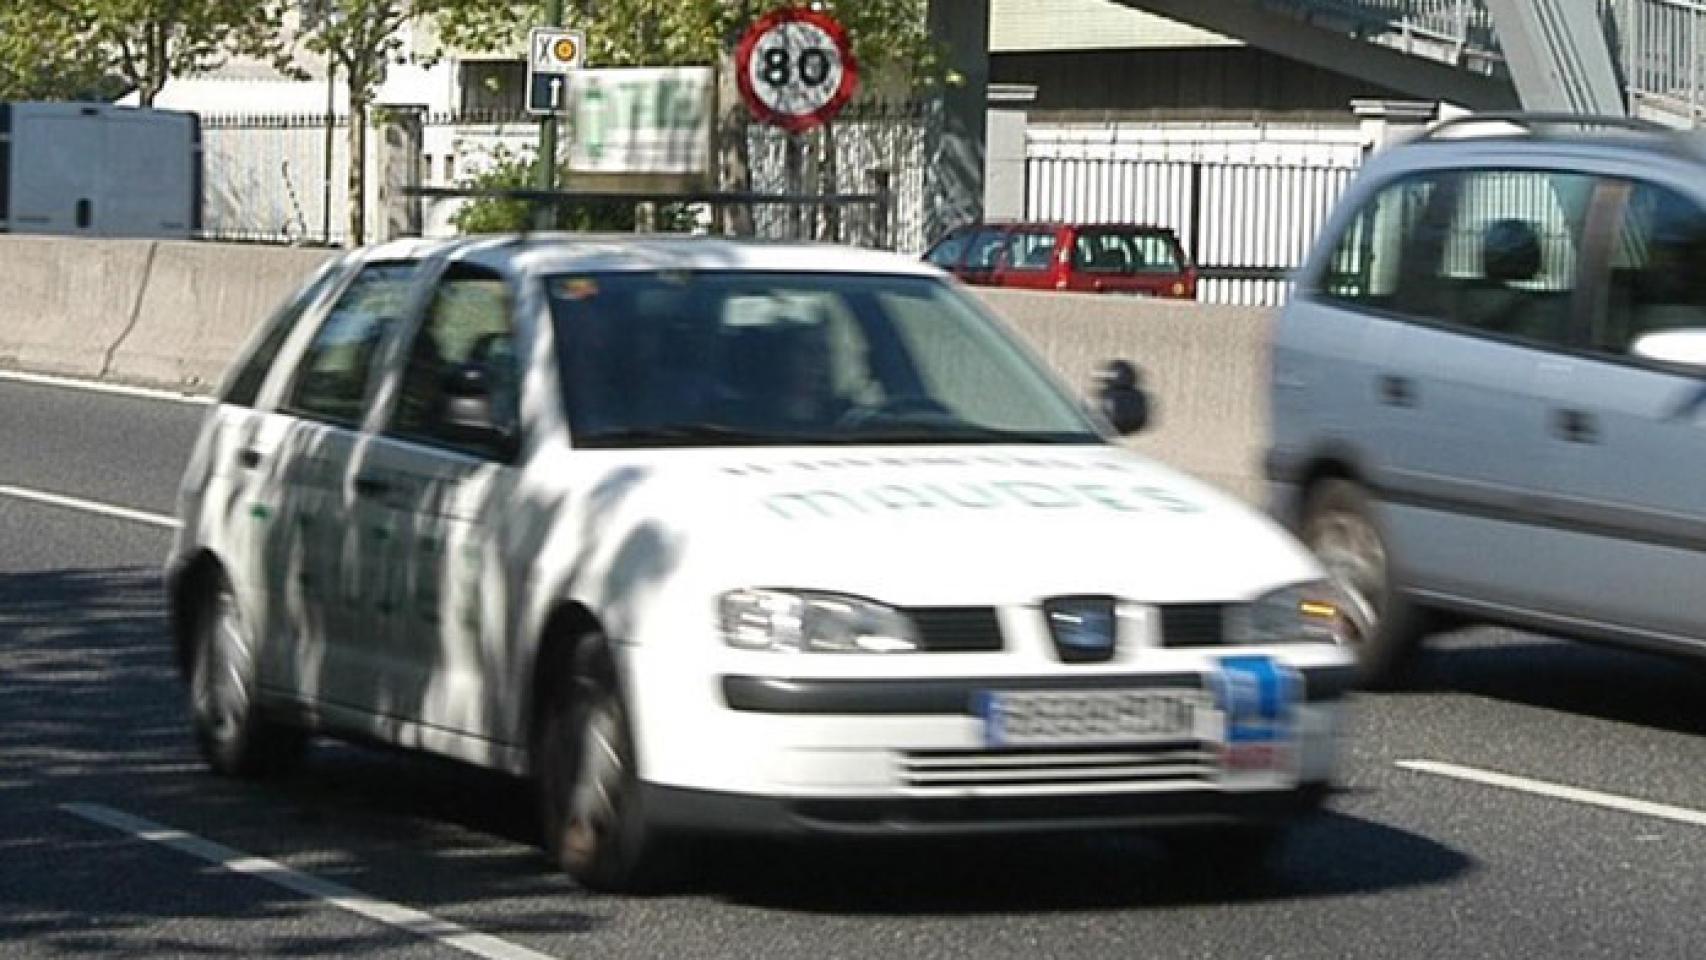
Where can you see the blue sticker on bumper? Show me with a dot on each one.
(1258, 696)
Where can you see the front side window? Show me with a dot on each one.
(467, 330)
(245, 387)
(794, 359)
(1657, 279)
(334, 374)
(985, 249)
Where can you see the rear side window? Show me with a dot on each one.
(1125, 252)
(332, 380)
(1031, 250)
(245, 387)
(1492, 251)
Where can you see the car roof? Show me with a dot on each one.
(1622, 144)
(551, 253)
(1069, 224)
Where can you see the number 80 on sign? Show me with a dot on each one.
(795, 68)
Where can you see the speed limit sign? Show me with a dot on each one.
(795, 68)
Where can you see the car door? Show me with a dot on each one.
(1629, 432)
(244, 467)
(433, 495)
(317, 605)
(1486, 293)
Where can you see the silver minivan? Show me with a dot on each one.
(1489, 392)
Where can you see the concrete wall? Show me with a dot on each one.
(1205, 368)
(173, 315)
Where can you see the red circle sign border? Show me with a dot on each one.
(796, 123)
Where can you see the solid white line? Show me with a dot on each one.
(1557, 791)
(89, 506)
(97, 386)
(391, 914)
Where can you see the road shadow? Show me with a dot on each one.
(1623, 686)
(1332, 855)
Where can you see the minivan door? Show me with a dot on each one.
(1629, 433)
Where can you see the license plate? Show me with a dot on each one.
(1090, 717)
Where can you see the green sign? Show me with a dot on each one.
(641, 120)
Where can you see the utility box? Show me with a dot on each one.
(96, 170)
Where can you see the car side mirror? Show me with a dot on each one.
(1120, 397)
(470, 415)
(1685, 347)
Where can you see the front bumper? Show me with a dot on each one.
(704, 811)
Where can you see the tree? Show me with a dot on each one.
(69, 45)
(42, 56)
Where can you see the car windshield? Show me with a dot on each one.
(735, 358)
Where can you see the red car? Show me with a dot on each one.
(1088, 258)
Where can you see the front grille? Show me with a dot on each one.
(1193, 624)
(957, 629)
(1169, 764)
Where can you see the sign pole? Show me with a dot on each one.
(545, 216)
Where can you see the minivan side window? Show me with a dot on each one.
(1488, 251)
(245, 387)
(985, 249)
(1657, 279)
(332, 379)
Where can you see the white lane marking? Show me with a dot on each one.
(97, 386)
(89, 506)
(421, 924)
(1558, 791)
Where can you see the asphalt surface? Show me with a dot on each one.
(1406, 864)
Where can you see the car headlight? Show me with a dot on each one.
(1316, 612)
(801, 621)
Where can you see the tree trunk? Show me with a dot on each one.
(734, 159)
(357, 165)
(154, 52)
(829, 184)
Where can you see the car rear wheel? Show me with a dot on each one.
(232, 734)
(1340, 526)
(589, 797)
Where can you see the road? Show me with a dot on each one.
(1410, 862)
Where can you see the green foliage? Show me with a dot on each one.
(508, 172)
(67, 47)
(889, 36)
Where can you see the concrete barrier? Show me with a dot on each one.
(174, 314)
(1204, 366)
(65, 301)
(198, 307)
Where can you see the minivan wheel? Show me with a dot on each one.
(1340, 526)
(590, 811)
(232, 734)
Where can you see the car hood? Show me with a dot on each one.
(944, 525)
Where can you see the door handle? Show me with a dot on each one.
(248, 458)
(368, 485)
(1575, 426)
(1396, 391)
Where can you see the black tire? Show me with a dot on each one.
(1339, 520)
(591, 817)
(234, 737)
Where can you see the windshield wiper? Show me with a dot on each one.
(676, 434)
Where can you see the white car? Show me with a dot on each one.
(703, 535)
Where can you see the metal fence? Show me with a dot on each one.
(265, 178)
(1662, 44)
(1247, 224)
(267, 175)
